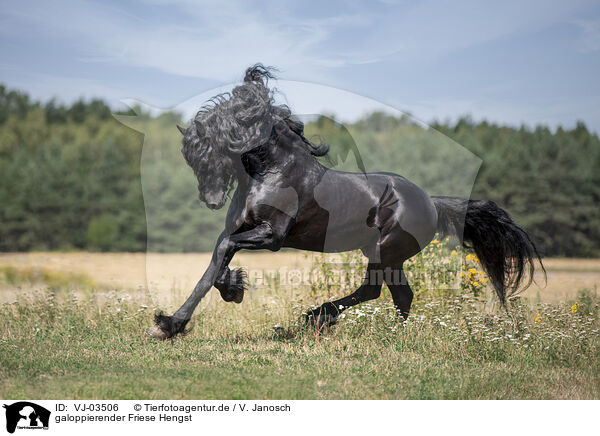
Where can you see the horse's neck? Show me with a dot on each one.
(292, 157)
(276, 160)
(298, 170)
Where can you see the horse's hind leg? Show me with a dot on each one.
(397, 247)
(401, 292)
(370, 289)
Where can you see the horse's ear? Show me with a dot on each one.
(199, 128)
(181, 129)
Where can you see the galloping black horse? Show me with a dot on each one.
(286, 198)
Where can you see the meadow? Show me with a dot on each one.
(73, 327)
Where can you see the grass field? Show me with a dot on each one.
(73, 327)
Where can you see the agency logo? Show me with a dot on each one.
(26, 415)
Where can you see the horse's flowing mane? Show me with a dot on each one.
(244, 119)
(235, 123)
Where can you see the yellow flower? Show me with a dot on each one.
(472, 257)
(574, 308)
(453, 253)
(538, 318)
(475, 284)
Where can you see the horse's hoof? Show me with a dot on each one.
(156, 332)
(239, 297)
(232, 288)
(321, 318)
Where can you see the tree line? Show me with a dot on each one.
(75, 177)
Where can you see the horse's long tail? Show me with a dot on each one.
(505, 250)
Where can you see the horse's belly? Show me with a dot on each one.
(331, 231)
(327, 243)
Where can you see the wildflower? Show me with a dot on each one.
(538, 318)
(472, 258)
(475, 284)
(574, 308)
(453, 253)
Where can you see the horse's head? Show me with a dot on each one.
(222, 131)
(213, 169)
(233, 124)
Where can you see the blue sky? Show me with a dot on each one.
(510, 62)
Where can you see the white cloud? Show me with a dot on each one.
(429, 30)
(217, 40)
(213, 41)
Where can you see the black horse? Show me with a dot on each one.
(286, 198)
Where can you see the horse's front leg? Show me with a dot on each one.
(231, 284)
(261, 236)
